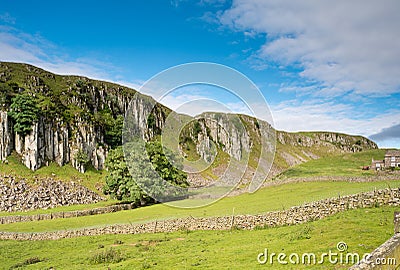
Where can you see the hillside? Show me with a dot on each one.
(342, 165)
(78, 120)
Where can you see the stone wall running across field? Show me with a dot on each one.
(294, 215)
(67, 214)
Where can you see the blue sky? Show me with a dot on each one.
(321, 65)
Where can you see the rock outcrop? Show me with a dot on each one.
(344, 142)
(76, 113)
(5, 136)
(228, 132)
(57, 135)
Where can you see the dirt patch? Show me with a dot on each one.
(150, 243)
(179, 239)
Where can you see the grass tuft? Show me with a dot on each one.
(27, 262)
(107, 256)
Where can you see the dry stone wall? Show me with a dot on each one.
(67, 214)
(294, 215)
(387, 176)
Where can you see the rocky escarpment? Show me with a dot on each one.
(296, 148)
(240, 136)
(18, 195)
(81, 119)
(344, 142)
(235, 135)
(228, 132)
(6, 135)
(78, 117)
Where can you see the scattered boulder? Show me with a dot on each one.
(19, 195)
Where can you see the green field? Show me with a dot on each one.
(267, 199)
(362, 230)
(338, 165)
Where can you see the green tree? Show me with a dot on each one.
(122, 185)
(6, 92)
(24, 112)
(112, 127)
(82, 158)
(160, 158)
(113, 132)
(119, 181)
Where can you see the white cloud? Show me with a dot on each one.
(293, 116)
(212, 2)
(194, 100)
(7, 18)
(322, 116)
(17, 46)
(342, 45)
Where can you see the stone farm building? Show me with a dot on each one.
(392, 160)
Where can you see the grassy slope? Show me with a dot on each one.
(363, 230)
(264, 200)
(339, 165)
(20, 74)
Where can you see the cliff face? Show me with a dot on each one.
(6, 135)
(74, 120)
(296, 148)
(344, 142)
(80, 121)
(225, 130)
(237, 134)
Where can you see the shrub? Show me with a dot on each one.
(107, 256)
(118, 242)
(81, 158)
(302, 233)
(5, 95)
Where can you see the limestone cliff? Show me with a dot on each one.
(80, 120)
(238, 135)
(75, 115)
(5, 135)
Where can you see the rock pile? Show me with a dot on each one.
(18, 195)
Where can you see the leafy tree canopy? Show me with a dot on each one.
(122, 185)
(24, 112)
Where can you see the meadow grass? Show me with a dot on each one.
(362, 230)
(267, 199)
(337, 165)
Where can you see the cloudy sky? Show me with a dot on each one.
(321, 65)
